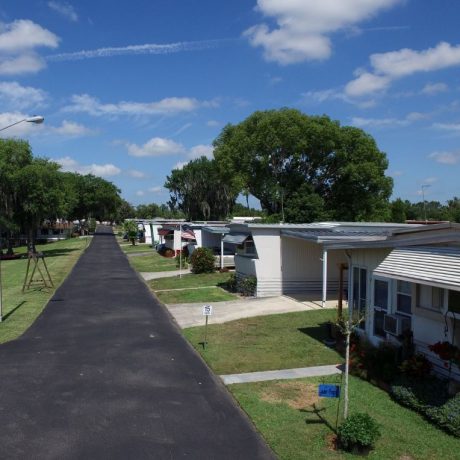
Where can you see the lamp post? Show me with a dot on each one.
(36, 119)
(424, 186)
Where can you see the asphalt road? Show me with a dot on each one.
(105, 374)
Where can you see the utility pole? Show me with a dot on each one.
(424, 202)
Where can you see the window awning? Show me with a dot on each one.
(235, 238)
(433, 266)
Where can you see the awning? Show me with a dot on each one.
(164, 231)
(433, 266)
(235, 238)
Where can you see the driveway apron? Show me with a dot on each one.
(104, 373)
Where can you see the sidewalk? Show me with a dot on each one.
(168, 274)
(314, 371)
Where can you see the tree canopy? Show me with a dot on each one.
(35, 189)
(304, 168)
(201, 191)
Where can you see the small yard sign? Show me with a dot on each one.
(207, 310)
(329, 391)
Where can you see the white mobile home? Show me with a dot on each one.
(293, 258)
(408, 282)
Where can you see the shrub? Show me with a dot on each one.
(446, 416)
(247, 286)
(202, 260)
(232, 283)
(181, 260)
(417, 366)
(358, 430)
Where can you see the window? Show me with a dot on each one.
(454, 301)
(380, 305)
(360, 293)
(430, 298)
(404, 297)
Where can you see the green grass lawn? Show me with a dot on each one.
(152, 263)
(269, 342)
(128, 248)
(283, 412)
(206, 294)
(20, 310)
(190, 280)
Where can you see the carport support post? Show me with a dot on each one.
(323, 300)
(222, 251)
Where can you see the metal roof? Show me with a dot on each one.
(321, 235)
(218, 230)
(235, 238)
(431, 265)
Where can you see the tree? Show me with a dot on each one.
(130, 227)
(14, 155)
(276, 153)
(199, 191)
(40, 195)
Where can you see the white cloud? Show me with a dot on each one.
(388, 122)
(140, 193)
(396, 173)
(434, 88)
(201, 150)
(71, 165)
(148, 48)
(136, 174)
(23, 35)
(180, 164)
(304, 26)
(155, 147)
(72, 129)
(18, 43)
(167, 106)
(156, 189)
(430, 180)
(447, 158)
(16, 95)
(212, 123)
(454, 127)
(65, 9)
(387, 67)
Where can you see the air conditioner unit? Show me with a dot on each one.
(395, 324)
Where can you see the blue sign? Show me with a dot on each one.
(329, 391)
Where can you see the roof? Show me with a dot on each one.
(235, 238)
(218, 230)
(431, 265)
(322, 235)
(351, 225)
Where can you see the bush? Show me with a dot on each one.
(232, 283)
(431, 399)
(181, 259)
(202, 260)
(417, 366)
(247, 286)
(358, 430)
(446, 416)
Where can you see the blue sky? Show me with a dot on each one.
(130, 90)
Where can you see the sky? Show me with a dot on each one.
(131, 90)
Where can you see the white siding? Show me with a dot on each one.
(302, 266)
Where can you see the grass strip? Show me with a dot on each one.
(284, 412)
(21, 309)
(263, 343)
(205, 295)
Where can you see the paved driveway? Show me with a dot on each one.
(105, 374)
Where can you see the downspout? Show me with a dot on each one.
(350, 285)
(323, 301)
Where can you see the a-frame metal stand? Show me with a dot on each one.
(45, 281)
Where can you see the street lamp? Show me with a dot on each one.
(36, 119)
